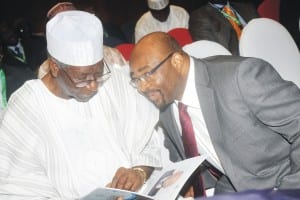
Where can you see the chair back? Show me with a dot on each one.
(269, 40)
(125, 49)
(205, 48)
(269, 9)
(182, 35)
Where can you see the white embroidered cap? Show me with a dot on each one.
(75, 38)
(157, 4)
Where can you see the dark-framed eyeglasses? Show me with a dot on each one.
(101, 78)
(134, 82)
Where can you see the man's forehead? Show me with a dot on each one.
(98, 65)
(142, 68)
(138, 68)
(140, 61)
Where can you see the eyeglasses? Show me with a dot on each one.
(134, 82)
(101, 78)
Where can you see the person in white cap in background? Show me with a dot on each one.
(81, 126)
(161, 17)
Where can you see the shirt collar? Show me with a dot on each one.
(12, 47)
(190, 96)
(218, 5)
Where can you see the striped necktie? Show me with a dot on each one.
(229, 13)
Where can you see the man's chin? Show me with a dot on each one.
(163, 107)
(84, 98)
(160, 105)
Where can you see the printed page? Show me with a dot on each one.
(112, 194)
(166, 184)
(170, 180)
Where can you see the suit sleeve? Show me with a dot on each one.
(276, 103)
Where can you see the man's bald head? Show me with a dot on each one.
(157, 43)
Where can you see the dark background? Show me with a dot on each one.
(115, 11)
(118, 12)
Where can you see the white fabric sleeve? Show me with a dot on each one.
(20, 173)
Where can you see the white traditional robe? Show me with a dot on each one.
(178, 18)
(52, 148)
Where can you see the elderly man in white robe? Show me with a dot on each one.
(79, 127)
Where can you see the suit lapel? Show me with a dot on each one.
(207, 101)
(14, 58)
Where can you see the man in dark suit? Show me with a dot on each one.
(23, 53)
(245, 117)
(31, 49)
(210, 23)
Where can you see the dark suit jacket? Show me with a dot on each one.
(16, 76)
(266, 194)
(207, 23)
(253, 118)
(17, 72)
(35, 51)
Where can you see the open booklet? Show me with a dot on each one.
(166, 184)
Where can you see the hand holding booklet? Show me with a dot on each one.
(164, 185)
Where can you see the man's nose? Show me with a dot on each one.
(93, 85)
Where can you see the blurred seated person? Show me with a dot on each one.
(112, 34)
(81, 126)
(3, 100)
(59, 7)
(34, 44)
(161, 17)
(212, 22)
(20, 57)
(20, 46)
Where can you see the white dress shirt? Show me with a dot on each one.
(190, 98)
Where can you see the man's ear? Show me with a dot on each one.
(177, 60)
(53, 67)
